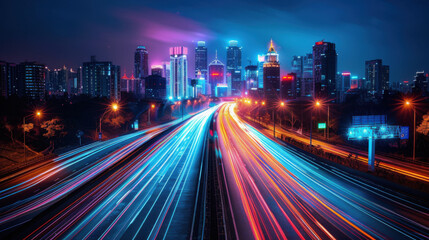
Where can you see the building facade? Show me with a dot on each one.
(178, 84)
(216, 75)
(141, 62)
(233, 69)
(324, 70)
(271, 76)
(201, 60)
(31, 80)
(101, 79)
(8, 79)
(377, 77)
(155, 87)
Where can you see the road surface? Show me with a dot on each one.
(278, 192)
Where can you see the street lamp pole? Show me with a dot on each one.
(115, 108)
(38, 113)
(414, 135)
(327, 130)
(311, 126)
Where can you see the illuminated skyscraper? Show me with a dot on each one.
(287, 86)
(377, 76)
(251, 76)
(271, 76)
(201, 60)
(297, 68)
(216, 75)
(101, 79)
(324, 70)
(31, 79)
(233, 69)
(8, 79)
(307, 76)
(178, 84)
(141, 63)
(261, 60)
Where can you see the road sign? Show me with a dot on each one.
(405, 132)
(369, 120)
(321, 126)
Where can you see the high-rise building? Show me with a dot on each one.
(31, 79)
(324, 70)
(271, 76)
(101, 79)
(56, 81)
(8, 79)
(377, 77)
(216, 75)
(287, 86)
(233, 69)
(251, 76)
(157, 70)
(420, 83)
(306, 81)
(178, 84)
(141, 62)
(201, 60)
(385, 82)
(261, 60)
(297, 68)
(155, 87)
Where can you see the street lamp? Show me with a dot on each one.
(282, 104)
(316, 104)
(408, 103)
(37, 114)
(114, 107)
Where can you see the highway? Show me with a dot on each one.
(127, 183)
(279, 192)
(416, 171)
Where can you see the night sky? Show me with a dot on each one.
(68, 32)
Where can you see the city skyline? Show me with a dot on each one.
(123, 29)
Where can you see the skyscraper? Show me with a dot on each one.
(216, 75)
(251, 76)
(307, 76)
(141, 63)
(178, 85)
(287, 86)
(101, 79)
(233, 68)
(420, 83)
(324, 70)
(377, 76)
(261, 60)
(31, 79)
(297, 68)
(271, 76)
(385, 82)
(8, 79)
(201, 60)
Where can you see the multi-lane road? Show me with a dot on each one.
(279, 192)
(153, 184)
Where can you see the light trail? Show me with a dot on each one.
(280, 192)
(151, 196)
(29, 191)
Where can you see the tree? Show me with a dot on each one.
(423, 128)
(53, 128)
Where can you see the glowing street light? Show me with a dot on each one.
(408, 103)
(38, 114)
(113, 107)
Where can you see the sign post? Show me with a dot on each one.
(371, 128)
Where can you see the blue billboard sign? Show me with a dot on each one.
(369, 120)
(405, 132)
